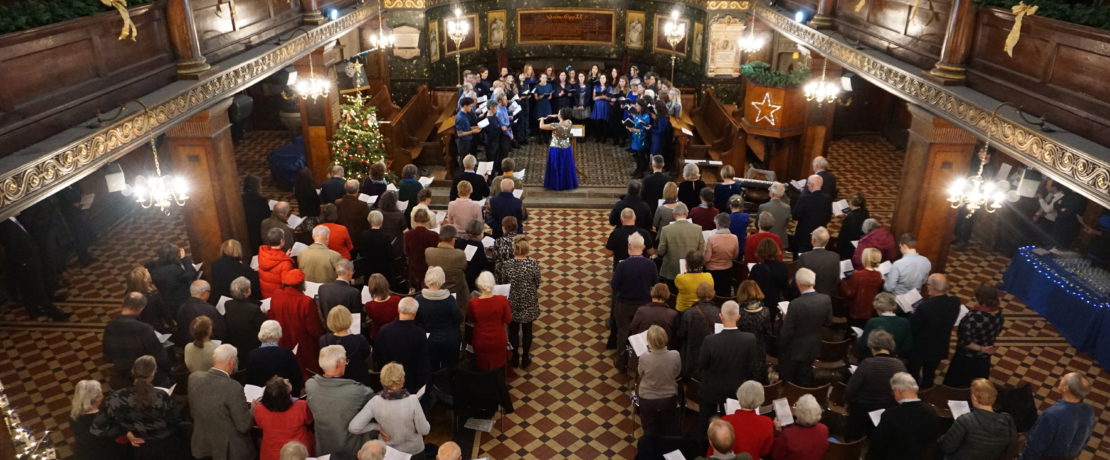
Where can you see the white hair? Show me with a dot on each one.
(869, 225)
(199, 287)
(750, 394)
(337, 171)
(270, 331)
(730, 310)
(469, 162)
(777, 190)
(636, 241)
(344, 267)
(690, 171)
(435, 277)
(820, 162)
(628, 214)
(807, 412)
(903, 381)
(820, 237)
(408, 306)
(321, 232)
(375, 218)
(224, 353)
(331, 355)
(84, 397)
(680, 209)
(815, 182)
(240, 288)
(805, 277)
(485, 281)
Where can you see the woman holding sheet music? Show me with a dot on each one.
(564, 93)
(150, 418)
(561, 174)
(617, 97)
(639, 124)
(489, 314)
(599, 115)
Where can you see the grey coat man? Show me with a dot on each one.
(222, 417)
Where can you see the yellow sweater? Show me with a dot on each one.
(687, 284)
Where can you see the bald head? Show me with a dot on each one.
(449, 451)
(815, 182)
(628, 216)
(281, 209)
(938, 284)
(1074, 386)
(507, 185)
(200, 289)
(372, 450)
(721, 436)
(351, 187)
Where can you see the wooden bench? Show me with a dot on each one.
(409, 129)
(708, 132)
(384, 103)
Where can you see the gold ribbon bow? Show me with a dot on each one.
(128, 26)
(1020, 11)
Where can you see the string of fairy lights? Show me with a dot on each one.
(26, 446)
(1063, 282)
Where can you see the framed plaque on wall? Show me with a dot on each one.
(574, 26)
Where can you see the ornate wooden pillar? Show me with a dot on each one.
(826, 11)
(951, 68)
(936, 155)
(183, 35)
(319, 117)
(202, 152)
(312, 13)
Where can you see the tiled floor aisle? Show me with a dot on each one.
(571, 403)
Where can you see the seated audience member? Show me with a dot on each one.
(405, 342)
(198, 353)
(244, 316)
(754, 433)
(334, 401)
(770, 275)
(824, 263)
(910, 271)
(676, 241)
(339, 238)
(440, 316)
(756, 319)
(293, 450)
(273, 262)
(664, 210)
(690, 186)
(687, 283)
(503, 205)
(631, 200)
(897, 326)
(372, 450)
(126, 338)
(382, 307)
(907, 429)
(472, 236)
(358, 349)
(453, 263)
(340, 291)
(479, 187)
(282, 420)
(156, 313)
(172, 271)
(617, 243)
(932, 322)
(197, 305)
(878, 237)
(975, 339)
(228, 267)
(727, 359)
(807, 438)
(449, 451)
(721, 249)
(631, 284)
(721, 438)
(1062, 430)
(84, 407)
(462, 210)
(423, 201)
(300, 321)
(490, 315)
(416, 241)
(317, 261)
(779, 209)
(704, 212)
(981, 433)
(869, 388)
(149, 418)
(764, 224)
(799, 340)
(523, 274)
(859, 289)
(658, 372)
(394, 412)
(381, 245)
(270, 359)
(217, 400)
(694, 325)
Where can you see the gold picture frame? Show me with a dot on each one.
(659, 41)
(571, 14)
(469, 44)
(433, 40)
(497, 29)
(635, 28)
(698, 43)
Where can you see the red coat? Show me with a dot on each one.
(490, 343)
(880, 239)
(416, 241)
(300, 326)
(381, 313)
(704, 217)
(859, 292)
(752, 244)
(271, 264)
(755, 434)
(340, 240)
(279, 428)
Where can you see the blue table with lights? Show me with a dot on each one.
(1081, 314)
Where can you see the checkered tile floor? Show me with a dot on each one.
(570, 403)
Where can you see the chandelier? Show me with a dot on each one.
(978, 193)
(161, 191)
(458, 28)
(822, 90)
(674, 31)
(750, 43)
(312, 87)
(381, 39)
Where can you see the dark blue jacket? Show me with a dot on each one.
(502, 205)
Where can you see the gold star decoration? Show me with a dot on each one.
(762, 106)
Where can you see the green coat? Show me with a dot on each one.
(897, 326)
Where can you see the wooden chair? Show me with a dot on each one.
(834, 351)
(773, 391)
(844, 450)
(837, 399)
(939, 396)
(836, 422)
(792, 392)
(832, 372)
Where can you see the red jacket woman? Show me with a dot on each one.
(282, 419)
(300, 321)
(490, 314)
(272, 263)
(859, 290)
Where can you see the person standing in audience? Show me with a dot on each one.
(755, 319)
(653, 184)
(721, 438)
(282, 420)
(490, 314)
(687, 283)
(216, 400)
(417, 241)
(851, 227)
(339, 239)
(505, 170)
(339, 322)
(441, 316)
(198, 305)
(898, 327)
(172, 271)
(703, 213)
(800, 339)
(478, 186)
(351, 211)
(859, 289)
(332, 187)
(691, 185)
(449, 451)
(770, 275)
(654, 313)
(462, 210)
(270, 359)
(631, 285)
(453, 263)
(755, 434)
(395, 413)
(631, 200)
(273, 262)
(464, 131)
(409, 185)
(340, 291)
(375, 184)
(382, 306)
(84, 408)
(372, 450)
(617, 243)
(256, 208)
(907, 429)
(423, 201)
(738, 222)
(299, 319)
(878, 237)
(317, 261)
(156, 313)
(982, 433)
(376, 241)
(502, 249)
(909, 272)
(828, 180)
(779, 207)
(522, 272)
(404, 341)
(932, 323)
(658, 372)
(472, 236)
(807, 438)
(305, 192)
(126, 338)
(279, 218)
(824, 263)
(676, 241)
(813, 209)
(726, 189)
(765, 224)
(149, 418)
(228, 267)
(975, 338)
(504, 205)
(334, 401)
(1062, 430)
(869, 388)
(664, 211)
(198, 353)
(694, 325)
(721, 248)
(726, 359)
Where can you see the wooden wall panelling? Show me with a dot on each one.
(255, 21)
(883, 24)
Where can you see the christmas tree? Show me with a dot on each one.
(358, 142)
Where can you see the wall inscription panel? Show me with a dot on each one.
(566, 26)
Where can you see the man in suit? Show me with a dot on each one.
(453, 263)
(222, 430)
(279, 216)
(779, 207)
(504, 204)
(800, 338)
(907, 430)
(676, 240)
(726, 360)
(821, 168)
(334, 401)
(932, 323)
(352, 212)
(29, 271)
(653, 184)
(332, 188)
(197, 305)
(126, 338)
(631, 199)
(470, 174)
(813, 209)
(340, 291)
(317, 261)
(404, 341)
(244, 317)
(824, 263)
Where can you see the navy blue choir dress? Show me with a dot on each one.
(561, 173)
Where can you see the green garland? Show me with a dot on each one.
(1090, 14)
(28, 14)
(760, 73)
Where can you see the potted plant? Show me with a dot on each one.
(774, 105)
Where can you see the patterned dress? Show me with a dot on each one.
(982, 329)
(524, 276)
(759, 324)
(158, 425)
